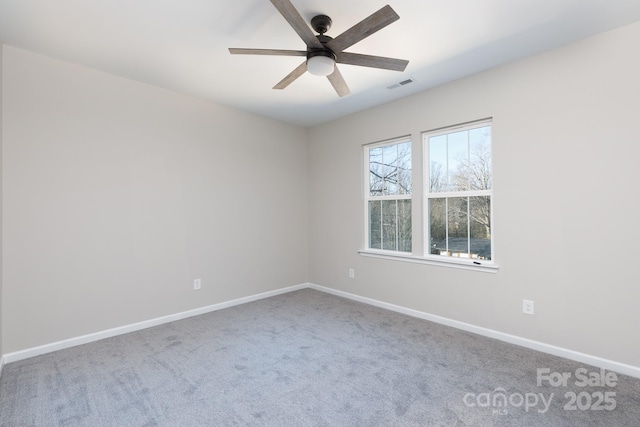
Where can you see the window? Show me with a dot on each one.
(450, 222)
(451, 219)
(388, 195)
(458, 192)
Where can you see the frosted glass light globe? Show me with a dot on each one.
(320, 65)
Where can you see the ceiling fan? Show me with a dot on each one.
(323, 52)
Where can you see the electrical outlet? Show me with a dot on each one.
(527, 306)
(197, 284)
(352, 273)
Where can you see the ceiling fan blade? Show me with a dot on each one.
(372, 61)
(281, 52)
(338, 83)
(300, 70)
(363, 29)
(289, 12)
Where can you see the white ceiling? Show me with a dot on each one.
(182, 44)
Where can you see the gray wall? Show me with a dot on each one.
(566, 152)
(119, 194)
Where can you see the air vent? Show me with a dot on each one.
(402, 83)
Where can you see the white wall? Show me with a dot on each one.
(566, 152)
(118, 194)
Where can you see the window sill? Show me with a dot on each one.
(448, 262)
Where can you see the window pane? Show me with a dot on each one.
(458, 241)
(404, 225)
(480, 160)
(390, 177)
(375, 172)
(437, 226)
(437, 163)
(404, 168)
(458, 150)
(375, 225)
(389, 225)
(390, 169)
(480, 225)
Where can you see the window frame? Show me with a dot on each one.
(427, 195)
(367, 192)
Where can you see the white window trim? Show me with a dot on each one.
(463, 264)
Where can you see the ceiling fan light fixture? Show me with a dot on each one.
(324, 52)
(321, 65)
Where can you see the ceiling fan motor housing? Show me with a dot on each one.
(321, 23)
(325, 51)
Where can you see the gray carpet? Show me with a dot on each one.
(304, 359)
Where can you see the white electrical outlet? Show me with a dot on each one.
(197, 284)
(352, 273)
(527, 306)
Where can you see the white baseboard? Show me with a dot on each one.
(85, 339)
(611, 365)
(622, 368)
